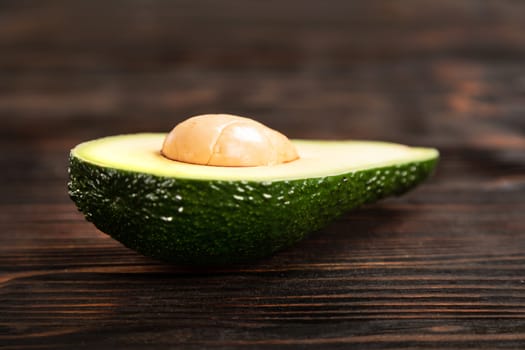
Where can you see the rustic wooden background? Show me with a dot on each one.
(442, 267)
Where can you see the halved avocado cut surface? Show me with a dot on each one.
(197, 214)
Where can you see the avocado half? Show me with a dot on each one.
(202, 215)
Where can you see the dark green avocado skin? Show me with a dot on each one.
(203, 222)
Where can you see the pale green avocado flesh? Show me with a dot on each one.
(203, 215)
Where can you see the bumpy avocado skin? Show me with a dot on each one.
(203, 222)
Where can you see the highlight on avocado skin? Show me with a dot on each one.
(195, 214)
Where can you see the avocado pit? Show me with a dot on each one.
(227, 140)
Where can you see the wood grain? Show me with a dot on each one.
(441, 267)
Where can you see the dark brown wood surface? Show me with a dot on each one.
(441, 267)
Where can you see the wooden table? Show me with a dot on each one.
(441, 267)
